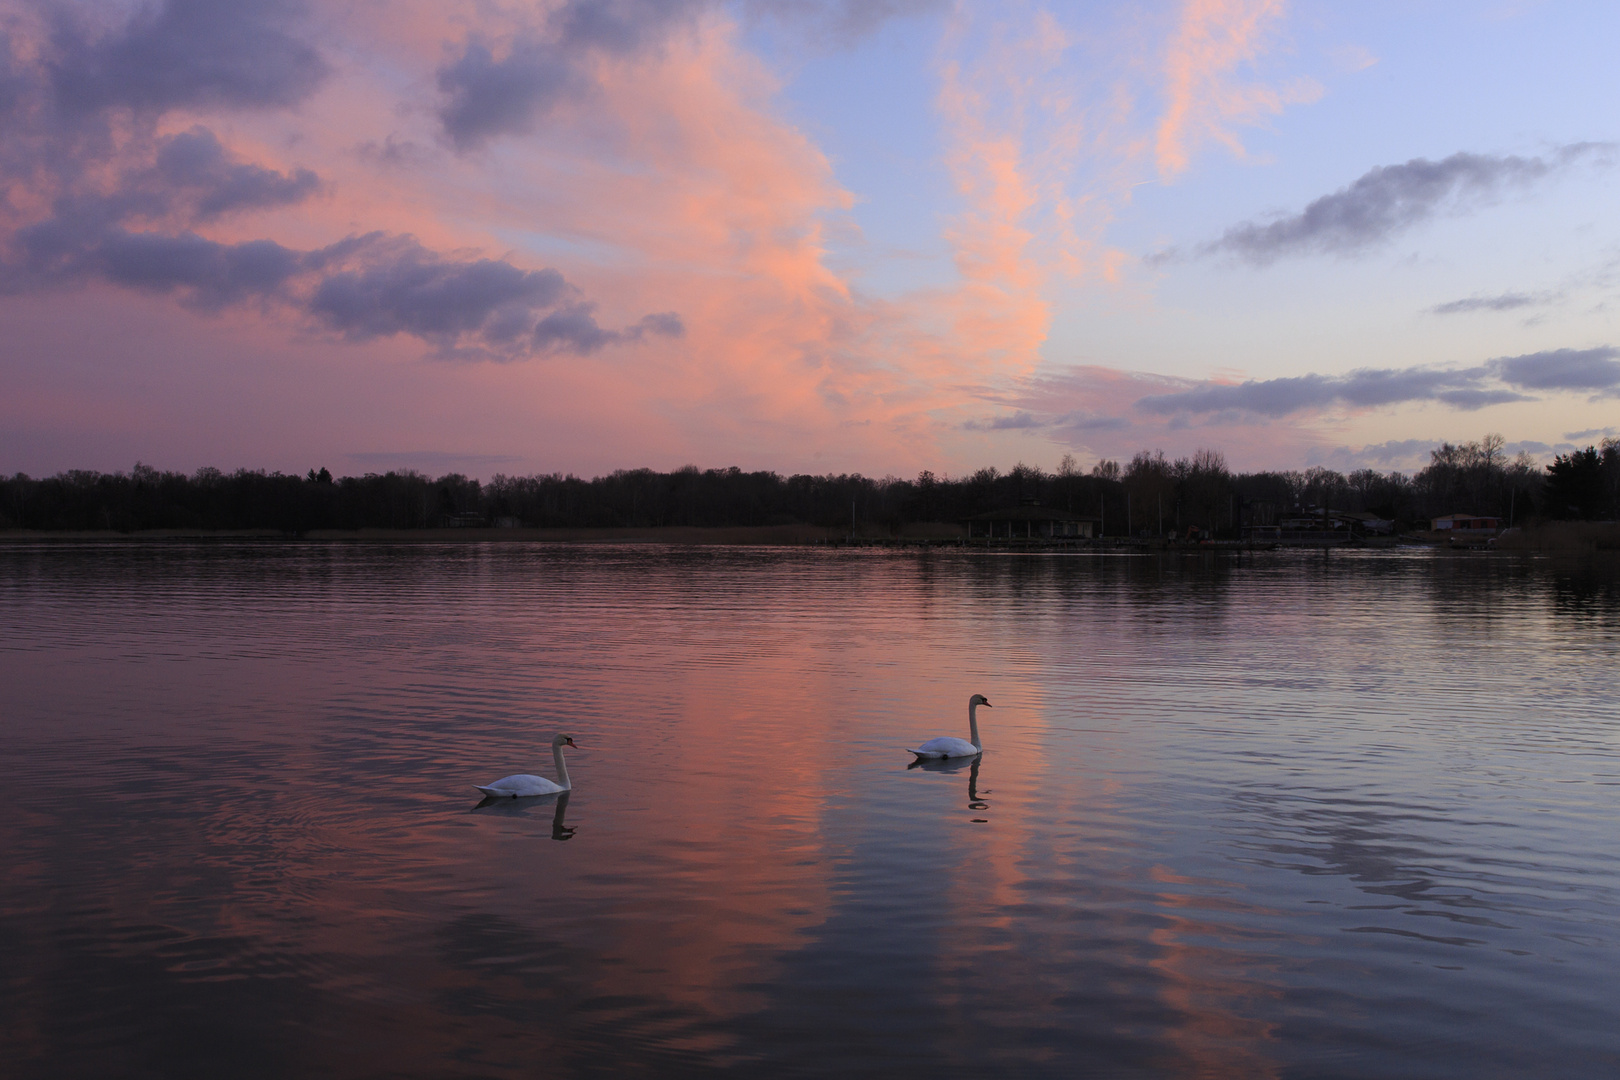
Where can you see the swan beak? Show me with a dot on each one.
(987, 705)
(571, 743)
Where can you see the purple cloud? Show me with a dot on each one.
(1563, 369)
(574, 329)
(1388, 200)
(486, 96)
(1501, 302)
(127, 212)
(1492, 383)
(1280, 397)
(1018, 421)
(187, 53)
(402, 288)
(195, 162)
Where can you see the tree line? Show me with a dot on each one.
(1150, 493)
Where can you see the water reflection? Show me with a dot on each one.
(522, 805)
(1588, 593)
(975, 799)
(947, 765)
(1344, 815)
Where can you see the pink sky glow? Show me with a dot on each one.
(595, 234)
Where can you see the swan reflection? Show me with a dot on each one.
(952, 765)
(512, 807)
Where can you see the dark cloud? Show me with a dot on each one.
(211, 274)
(1389, 200)
(619, 26)
(1472, 399)
(666, 323)
(1492, 383)
(1089, 421)
(193, 180)
(1279, 397)
(402, 287)
(127, 211)
(64, 145)
(206, 273)
(1563, 369)
(1501, 302)
(13, 81)
(196, 163)
(1365, 388)
(1393, 452)
(189, 179)
(1018, 421)
(574, 329)
(1076, 421)
(1591, 433)
(187, 53)
(838, 22)
(59, 150)
(364, 287)
(507, 96)
(488, 95)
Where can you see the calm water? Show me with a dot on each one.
(1292, 816)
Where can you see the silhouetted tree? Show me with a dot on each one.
(1575, 485)
(1201, 490)
(1150, 484)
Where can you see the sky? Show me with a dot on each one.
(823, 236)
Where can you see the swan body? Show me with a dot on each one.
(521, 785)
(947, 746)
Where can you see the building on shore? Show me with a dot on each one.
(1031, 521)
(1345, 522)
(1467, 524)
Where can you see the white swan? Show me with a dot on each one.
(947, 747)
(524, 784)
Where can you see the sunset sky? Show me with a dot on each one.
(803, 235)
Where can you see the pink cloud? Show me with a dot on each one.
(1204, 100)
(664, 192)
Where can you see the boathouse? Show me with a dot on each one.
(1031, 521)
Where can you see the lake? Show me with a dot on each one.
(1280, 815)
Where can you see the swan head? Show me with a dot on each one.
(979, 699)
(562, 740)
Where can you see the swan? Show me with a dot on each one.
(948, 747)
(524, 784)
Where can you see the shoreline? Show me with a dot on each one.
(1553, 538)
(689, 535)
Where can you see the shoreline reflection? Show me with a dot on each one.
(1343, 816)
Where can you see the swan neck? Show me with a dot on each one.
(973, 724)
(562, 768)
